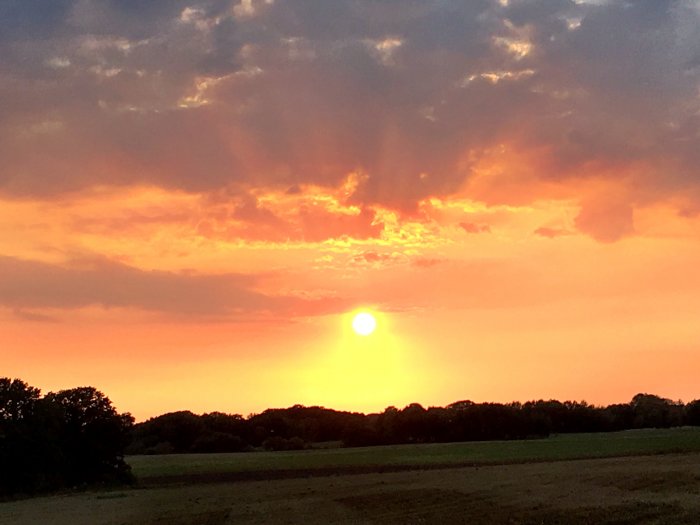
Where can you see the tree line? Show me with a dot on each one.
(76, 438)
(301, 427)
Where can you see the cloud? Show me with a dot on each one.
(606, 221)
(34, 316)
(552, 233)
(205, 95)
(373, 259)
(427, 262)
(471, 227)
(27, 286)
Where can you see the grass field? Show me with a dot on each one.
(176, 467)
(513, 483)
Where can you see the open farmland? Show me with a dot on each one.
(175, 468)
(526, 482)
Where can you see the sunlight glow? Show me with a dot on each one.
(364, 323)
(360, 373)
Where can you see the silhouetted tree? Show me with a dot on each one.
(387, 425)
(411, 423)
(692, 413)
(219, 442)
(653, 411)
(618, 417)
(24, 442)
(175, 432)
(280, 443)
(69, 438)
(93, 435)
(17, 399)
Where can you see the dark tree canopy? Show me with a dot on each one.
(298, 427)
(692, 415)
(17, 399)
(65, 439)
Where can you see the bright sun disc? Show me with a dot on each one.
(364, 323)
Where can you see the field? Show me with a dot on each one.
(636, 477)
(176, 467)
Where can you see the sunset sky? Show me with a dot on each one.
(196, 196)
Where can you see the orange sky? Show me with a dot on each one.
(196, 196)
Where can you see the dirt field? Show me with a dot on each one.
(662, 489)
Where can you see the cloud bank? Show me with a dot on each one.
(418, 98)
(30, 287)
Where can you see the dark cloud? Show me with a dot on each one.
(28, 286)
(26, 19)
(202, 95)
(34, 317)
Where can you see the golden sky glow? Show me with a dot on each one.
(196, 199)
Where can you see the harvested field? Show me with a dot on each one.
(648, 489)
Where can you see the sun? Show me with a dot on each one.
(364, 323)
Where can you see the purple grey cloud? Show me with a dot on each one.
(26, 286)
(203, 95)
